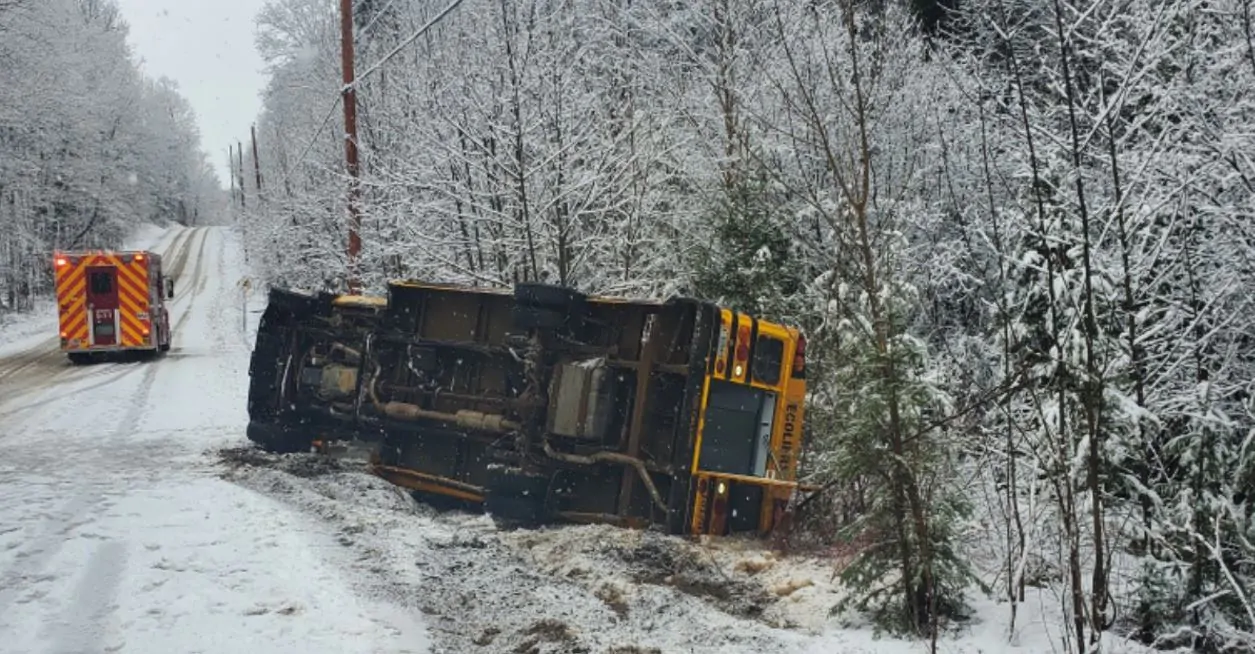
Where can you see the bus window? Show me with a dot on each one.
(768, 359)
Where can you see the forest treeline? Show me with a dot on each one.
(89, 147)
(1018, 235)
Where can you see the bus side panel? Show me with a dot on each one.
(71, 305)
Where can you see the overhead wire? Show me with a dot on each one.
(369, 71)
(412, 38)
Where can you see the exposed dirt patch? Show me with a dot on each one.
(614, 597)
(235, 457)
(687, 568)
(547, 631)
(590, 589)
(306, 465)
(484, 639)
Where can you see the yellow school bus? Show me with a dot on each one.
(540, 403)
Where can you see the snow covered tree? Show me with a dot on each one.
(88, 147)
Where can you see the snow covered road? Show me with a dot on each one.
(116, 534)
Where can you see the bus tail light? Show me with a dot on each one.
(742, 350)
(799, 357)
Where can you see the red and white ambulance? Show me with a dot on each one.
(112, 302)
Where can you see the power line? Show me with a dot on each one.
(414, 37)
(287, 175)
(375, 67)
(379, 14)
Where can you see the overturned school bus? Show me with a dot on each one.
(543, 404)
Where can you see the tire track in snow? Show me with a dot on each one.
(187, 301)
(58, 372)
(76, 391)
(23, 361)
(31, 562)
(177, 254)
(84, 624)
(27, 578)
(44, 364)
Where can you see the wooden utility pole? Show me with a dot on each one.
(239, 147)
(350, 143)
(231, 171)
(256, 160)
(242, 218)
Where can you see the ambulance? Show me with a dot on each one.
(111, 302)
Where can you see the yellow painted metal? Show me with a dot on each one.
(360, 301)
(429, 483)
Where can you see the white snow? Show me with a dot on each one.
(479, 585)
(135, 518)
(116, 533)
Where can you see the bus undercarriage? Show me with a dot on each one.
(542, 404)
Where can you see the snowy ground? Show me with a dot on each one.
(599, 589)
(116, 533)
(135, 518)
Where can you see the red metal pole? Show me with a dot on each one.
(350, 143)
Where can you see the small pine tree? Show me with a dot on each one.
(749, 264)
(885, 399)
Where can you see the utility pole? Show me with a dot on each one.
(256, 160)
(350, 144)
(231, 171)
(242, 218)
(239, 147)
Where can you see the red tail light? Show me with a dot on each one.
(61, 261)
(799, 357)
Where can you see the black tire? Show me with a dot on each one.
(80, 358)
(528, 317)
(547, 296)
(277, 439)
(509, 512)
(514, 498)
(512, 481)
(295, 303)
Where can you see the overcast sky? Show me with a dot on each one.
(207, 47)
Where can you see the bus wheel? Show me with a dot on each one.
(510, 513)
(276, 438)
(515, 498)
